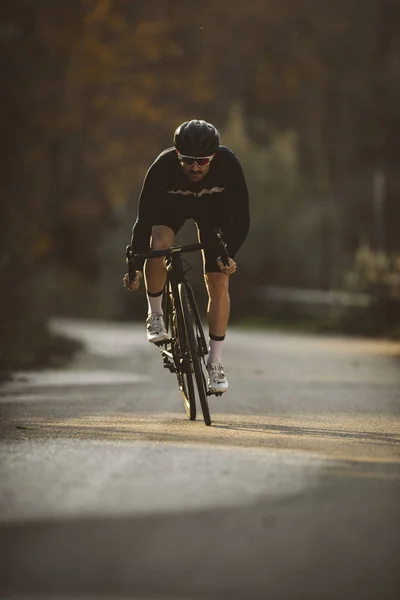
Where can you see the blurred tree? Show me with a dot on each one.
(93, 90)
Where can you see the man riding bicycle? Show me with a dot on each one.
(201, 180)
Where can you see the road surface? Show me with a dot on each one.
(107, 490)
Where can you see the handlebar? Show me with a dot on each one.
(218, 243)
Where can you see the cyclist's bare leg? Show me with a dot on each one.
(218, 316)
(154, 272)
(218, 302)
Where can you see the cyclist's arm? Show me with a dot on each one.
(239, 218)
(148, 207)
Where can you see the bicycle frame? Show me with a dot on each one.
(176, 275)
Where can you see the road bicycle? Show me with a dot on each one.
(184, 352)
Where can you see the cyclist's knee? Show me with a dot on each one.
(162, 237)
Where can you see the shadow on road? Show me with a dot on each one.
(386, 438)
(334, 541)
(170, 427)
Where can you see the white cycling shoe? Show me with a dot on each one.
(156, 331)
(217, 381)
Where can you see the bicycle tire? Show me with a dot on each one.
(202, 346)
(188, 311)
(174, 323)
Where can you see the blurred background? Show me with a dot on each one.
(305, 92)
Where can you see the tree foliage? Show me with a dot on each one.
(92, 91)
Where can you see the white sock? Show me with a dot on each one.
(155, 304)
(215, 350)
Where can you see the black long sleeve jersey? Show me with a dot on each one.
(219, 200)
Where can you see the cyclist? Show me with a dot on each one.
(202, 180)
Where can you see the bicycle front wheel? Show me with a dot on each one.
(191, 327)
(175, 326)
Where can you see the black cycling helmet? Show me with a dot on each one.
(196, 138)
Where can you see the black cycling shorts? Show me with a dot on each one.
(175, 221)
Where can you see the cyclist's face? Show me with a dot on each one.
(195, 173)
(192, 169)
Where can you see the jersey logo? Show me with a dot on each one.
(203, 191)
(211, 191)
(183, 192)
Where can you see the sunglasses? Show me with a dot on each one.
(189, 161)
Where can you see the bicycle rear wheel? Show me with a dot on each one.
(189, 311)
(175, 326)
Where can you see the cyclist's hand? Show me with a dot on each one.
(132, 287)
(228, 270)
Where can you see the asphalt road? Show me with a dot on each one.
(107, 490)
